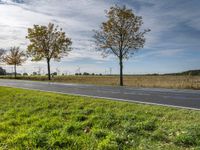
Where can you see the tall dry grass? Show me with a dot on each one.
(168, 81)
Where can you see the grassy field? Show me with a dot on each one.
(40, 120)
(167, 81)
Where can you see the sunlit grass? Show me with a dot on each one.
(40, 120)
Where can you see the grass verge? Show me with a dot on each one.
(41, 120)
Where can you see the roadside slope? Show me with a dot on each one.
(43, 120)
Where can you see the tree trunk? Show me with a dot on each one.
(48, 67)
(121, 71)
(15, 71)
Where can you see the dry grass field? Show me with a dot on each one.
(167, 81)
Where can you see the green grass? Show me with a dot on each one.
(40, 120)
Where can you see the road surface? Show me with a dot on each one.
(169, 97)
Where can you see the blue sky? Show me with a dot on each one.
(173, 45)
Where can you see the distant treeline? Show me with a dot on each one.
(189, 72)
(2, 71)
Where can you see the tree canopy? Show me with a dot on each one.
(2, 52)
(14, 57)
(121, 34)
(47, 42)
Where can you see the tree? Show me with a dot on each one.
(25, 74)
(47, 42)
(14, 57)
(34, 73)
(54, 74)
(2, 71)
(120, 35)
(2, 52)
(86, 73)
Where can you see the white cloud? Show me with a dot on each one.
(77, 20)
(79, 17)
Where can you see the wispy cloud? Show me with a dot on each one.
(175, 26)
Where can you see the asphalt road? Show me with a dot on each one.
(169, 97)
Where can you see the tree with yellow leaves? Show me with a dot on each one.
(47, 42)
(120, 35)
(14, 57)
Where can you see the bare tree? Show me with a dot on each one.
(14, 57)
(120, 35)
(47, 42)
(2, 52)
